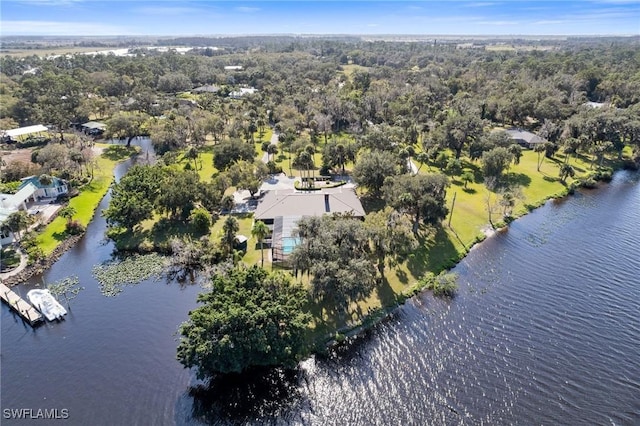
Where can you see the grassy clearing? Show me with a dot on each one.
(349, 69)
(252, 255)
(205, 167)
(43, 52)
(87, 201)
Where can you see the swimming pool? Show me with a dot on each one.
(289, 243)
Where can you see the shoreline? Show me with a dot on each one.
(349, 333)
(43, 264)
(341, 334)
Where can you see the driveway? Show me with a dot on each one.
(243, 200)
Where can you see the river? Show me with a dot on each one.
(545, 330)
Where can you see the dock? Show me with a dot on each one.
(23, 308)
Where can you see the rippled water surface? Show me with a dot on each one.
(545, 330)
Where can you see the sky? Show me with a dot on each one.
(203, 17)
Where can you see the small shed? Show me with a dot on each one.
(241, 242)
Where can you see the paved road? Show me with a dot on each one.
(274, 140)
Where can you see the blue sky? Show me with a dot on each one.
(453, 17)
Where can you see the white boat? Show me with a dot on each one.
(44, 301)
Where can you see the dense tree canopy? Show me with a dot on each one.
(373, 167)
(250, 318)
(421, 196)
(337, 252)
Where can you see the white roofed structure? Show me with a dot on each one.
(22, 132)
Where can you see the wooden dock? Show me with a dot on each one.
(23, 308)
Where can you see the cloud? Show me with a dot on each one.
(551, 22)
(61, 28)
(246, 9)
(167, 10)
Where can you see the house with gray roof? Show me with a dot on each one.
(524, 138)
(290, 202)
(282, 209)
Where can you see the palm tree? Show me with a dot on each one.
(18, 221)
(540, 148)
(229, 228)
(566, 170)
(272, 150)
(259, 232)
(192, 154)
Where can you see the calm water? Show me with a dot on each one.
(545, 330)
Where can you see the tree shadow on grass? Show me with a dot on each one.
(372, 204)
(435, 253)
(385, 293)
(469, 190)
(165, 229)
(60, 235)
(517, 179)
(119, 152)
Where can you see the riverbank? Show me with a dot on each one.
(53, 241)
(454, 246)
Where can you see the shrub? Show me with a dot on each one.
(444, 284)
(74, 227)
(201, 219)
(325, 170)
(145, 246)
(274, 169)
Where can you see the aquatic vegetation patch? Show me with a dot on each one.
(68, 287)
(114, 276)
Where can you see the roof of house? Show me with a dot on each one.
(210, 89)
(528, 137)
(594, 104)
(21, 131)
(296, 203)
(243, 91)
(9, 203)
(35, 181)
(94, 125)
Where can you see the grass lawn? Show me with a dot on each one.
(442, 247)
(205, 169)
(87, 201)
(252, 256)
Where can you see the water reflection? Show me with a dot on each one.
(240, 398)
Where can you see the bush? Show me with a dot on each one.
(74, 227)
(31, 142)
(325, 170)
(200, 219)
(10, 258)
(274, 169)
(444, 284)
